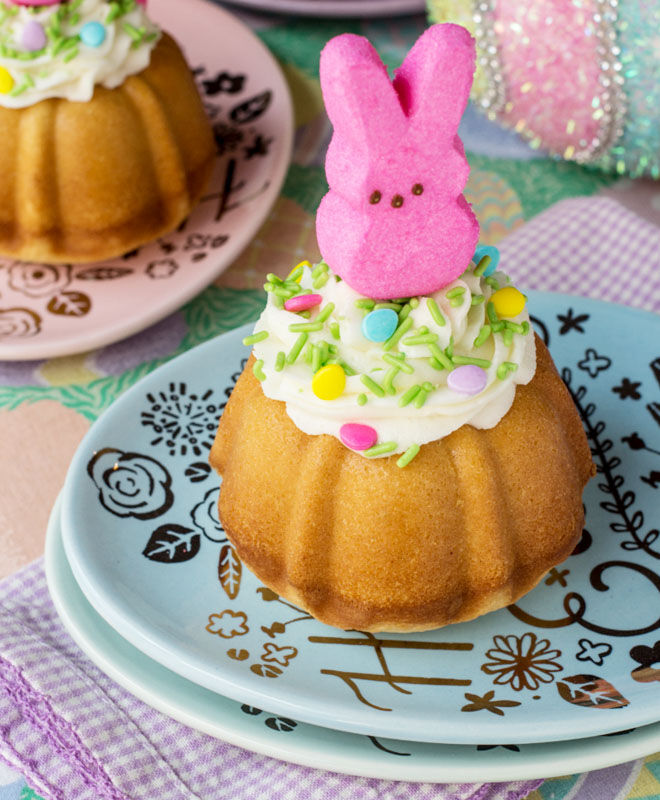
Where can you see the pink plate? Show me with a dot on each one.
(50, 311)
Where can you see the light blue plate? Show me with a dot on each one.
(577, 657)
(310, 745)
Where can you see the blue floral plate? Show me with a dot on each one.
(577, 657)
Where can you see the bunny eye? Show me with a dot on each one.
(397, 201)
(417, 188)
(375, 197)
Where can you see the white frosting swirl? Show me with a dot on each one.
(67, 67)
(444, 409)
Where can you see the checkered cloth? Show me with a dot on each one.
(75, 734)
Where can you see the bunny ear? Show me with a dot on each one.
(359, 97)
(434, 81)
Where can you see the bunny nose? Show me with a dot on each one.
(397, 201)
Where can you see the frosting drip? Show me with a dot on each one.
(66, 50)
(400, 387)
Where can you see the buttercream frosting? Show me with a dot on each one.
(84, 43)
(408, 405)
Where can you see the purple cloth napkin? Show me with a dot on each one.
(76, 735)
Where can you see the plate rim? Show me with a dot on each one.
(73, 343)
(547, 760)
(138, 633)
(333, 8)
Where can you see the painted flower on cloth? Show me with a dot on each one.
(525, 662)
(39, 280)
(131, 484)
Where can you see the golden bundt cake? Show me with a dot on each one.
(380, 542)
(91, 172)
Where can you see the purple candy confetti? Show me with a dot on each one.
(33, 36)
(468, 379)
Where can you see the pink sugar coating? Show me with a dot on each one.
(551, 67)
(357, 436)
(398, 141)
(302, 302)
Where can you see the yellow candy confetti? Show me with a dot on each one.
(6, 81)
(297, 268)
(508, 302)
(329, 382)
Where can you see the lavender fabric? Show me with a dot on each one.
(75, 734)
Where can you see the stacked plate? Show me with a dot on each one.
(145, 580)
(336, 8)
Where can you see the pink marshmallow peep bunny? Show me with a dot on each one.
(394, 223)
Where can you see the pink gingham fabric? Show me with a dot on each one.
(76, 735)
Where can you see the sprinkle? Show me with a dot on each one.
(409, 395)
(403, 328)
(428, 386)
(504, 368)
(456, 301)
(320, 282)
(477, 362)
(370, 383)
(365, 302)
(71, 55)
(457, 291)
(394, 361)
(419, 401)
(297, 272)
(390, 375)
(357, 436)
(525, 328)
(255, 337)
(490, 310)
(435, 312)
(440, 356)
(303, 302)
(468, 379)
(329, 382)
(507, 336)
(317, 358)
(516, 327)
(492, 282)
(380, 324)
(423, 338)
(380, 449)
(320, 269)
(394, 306)
(414, 302)
(257, 369)
(508, 302)
(334, 330)
(280, 360)
(483, 335)
(325, 313)
(407, 308)
(274, 279)
(482, 266)
(408, 456)
(476, 299)
(493, 253)
(362, 399)
(297, 347)
(297, 327)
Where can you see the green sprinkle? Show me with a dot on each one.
(325, 312)
(435, 312)
(409, 395)
(404, 312)
(370, 383)
(296, 273)
(516, 327)
(440, 356)
(365, 302)
(483, 335)
(477, 362)
(394, 306)
(317, 358)
(297, 347)
(507, 336)
(414, 302)
(293, 286)
(476, 299)
(348, 370)
(361, 399)
(114, 12)
(278, 302)
(497, 326)
(525, 328)
(408, 456)
(320, 282)
(428, 387)
(423, 338)
(298, 327)
(380, 449)
(257, 369)
(304, 314)
(490, 310)
(505, 368)
(423, 329)
(334, 330)
(492, 282)
(456, 301)
(282, 292)
(320, 269)
(419, 401)
(255, 337)
(433, 362)
(403, 328)
(449, 350)
(394, 361)
(457, 291)
(390, 375)
(482, 266)
(280, 360)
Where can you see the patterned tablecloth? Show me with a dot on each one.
(47, 406)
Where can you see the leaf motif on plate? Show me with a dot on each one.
(238, 655)
(590, 691)
(172, 543)
(103, 273)
(251, 109)
(266, 670)
(229, 571)
(281, 724)
(70, 304)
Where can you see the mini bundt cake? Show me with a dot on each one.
(106, 144)
(400, 452)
